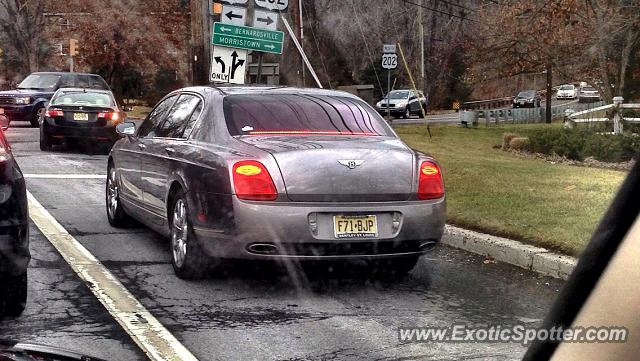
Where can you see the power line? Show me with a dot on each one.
(437, 11)
(366, 44)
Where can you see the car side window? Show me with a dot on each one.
(175, 122)
(191, 123)
(148, 127)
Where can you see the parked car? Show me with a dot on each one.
(14, 234)
(588, 94)
(527, 99)
(319, 176)
(80, 114)
(402, 103)
(27, 102)
(567, 91)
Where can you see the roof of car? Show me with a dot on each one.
(268, 89)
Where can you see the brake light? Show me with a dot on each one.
(114, 117)
(52, 113)
(430, 185)
(252, 181)
(309, 132)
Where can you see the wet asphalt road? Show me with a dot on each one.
(247, 311)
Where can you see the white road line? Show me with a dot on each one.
(65, 176)
(147, 332)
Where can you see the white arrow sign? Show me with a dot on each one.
(233, 15)
(228, 65)
(233, 2)
(275, 5)
(265, 20)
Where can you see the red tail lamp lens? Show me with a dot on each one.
(252, 181)
(430, 184)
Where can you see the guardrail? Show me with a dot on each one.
(487, 104)
(521, 115)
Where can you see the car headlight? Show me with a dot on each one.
(23, 100)
(401, 104)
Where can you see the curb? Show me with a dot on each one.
(505, 250)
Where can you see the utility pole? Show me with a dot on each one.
(421, 39)
(296, 15)
(198, 60)
(301, 39)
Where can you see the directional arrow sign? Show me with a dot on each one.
(233, 15)
(232, 2)
(244, 37)
(265, 20)
(275, 5)
(228, 65)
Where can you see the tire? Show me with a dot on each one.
(188, 260)
(45, 141)
(406, 114)
(35, 120)
(116, 214)
(393, 267)
(14, 298)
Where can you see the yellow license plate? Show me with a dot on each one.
(80, 116)
(355, 226)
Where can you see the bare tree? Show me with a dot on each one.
(22, 22)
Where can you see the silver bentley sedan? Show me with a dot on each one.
(275, 173)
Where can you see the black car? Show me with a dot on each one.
(527, 99)
(27, 102)
(14, 234)
(80, 114)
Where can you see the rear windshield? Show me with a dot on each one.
(566, 87)
(527, 93)
(589, 88)
(82, 98)
(301, 114)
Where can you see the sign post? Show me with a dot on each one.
(389, 61)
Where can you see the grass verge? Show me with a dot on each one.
(556, 206)
(138, 112)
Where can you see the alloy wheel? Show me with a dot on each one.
(112, 193)
(179, 231)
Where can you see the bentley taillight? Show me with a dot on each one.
(252, 181)
(430, 185)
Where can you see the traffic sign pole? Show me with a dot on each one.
(388, 91)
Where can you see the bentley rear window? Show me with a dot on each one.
(301, 114)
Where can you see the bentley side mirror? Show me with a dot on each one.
(126, 128)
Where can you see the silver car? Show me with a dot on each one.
(275, 173)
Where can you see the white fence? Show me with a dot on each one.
(612, 112)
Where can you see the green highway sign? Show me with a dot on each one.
(244, 37)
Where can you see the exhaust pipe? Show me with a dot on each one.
(428, 246)
(263, 248)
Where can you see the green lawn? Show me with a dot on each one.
(138, 112)
(551, 205)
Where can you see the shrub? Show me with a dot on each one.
(506, 139)
(578, 144)
(520, 143)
